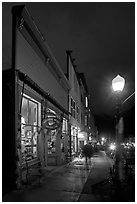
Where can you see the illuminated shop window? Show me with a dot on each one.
(52, 141)
(64, 132)
(65, 126)
(52, 134)
(29, 128)
(73, 139)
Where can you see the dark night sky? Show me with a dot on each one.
(101, 35)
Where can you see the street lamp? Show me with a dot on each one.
(118, 84)
(102, 140)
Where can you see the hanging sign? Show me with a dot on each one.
(51, 122)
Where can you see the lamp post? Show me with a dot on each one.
(118, 84)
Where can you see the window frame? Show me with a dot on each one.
(28, 149)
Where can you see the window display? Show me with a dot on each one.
(52, 141)
(73, 140)
(65, 126)
(29, 128)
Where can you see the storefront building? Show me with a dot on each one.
(79, 118)
(43, 123)
(39, 103)
(86, 112)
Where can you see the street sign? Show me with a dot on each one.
(51, 122)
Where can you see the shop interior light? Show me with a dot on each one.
(80, 135)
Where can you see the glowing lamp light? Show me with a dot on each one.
(118, 83)
(90, 138)
(112, 147)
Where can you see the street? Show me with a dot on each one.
(68, 102)
(67, 183)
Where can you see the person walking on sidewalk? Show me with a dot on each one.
(87, 152)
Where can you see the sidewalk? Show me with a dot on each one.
(59, 183)
(75, 182)
(100, 188)
(35, 181)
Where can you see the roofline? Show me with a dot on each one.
(21, 11)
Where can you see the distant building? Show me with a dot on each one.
(80, 118)
(87, 119)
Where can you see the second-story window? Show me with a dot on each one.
(86, 120)
(86, 100)
(73, 108)
(77, 114)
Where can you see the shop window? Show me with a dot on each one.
(29, 128)
(51, 134)
(65, 126)
(64, 131)
(52, 141)
(73, 140)
(62, 146)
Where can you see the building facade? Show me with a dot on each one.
(38, 130)
(46, 115)
(85, 112)
(80, 118)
